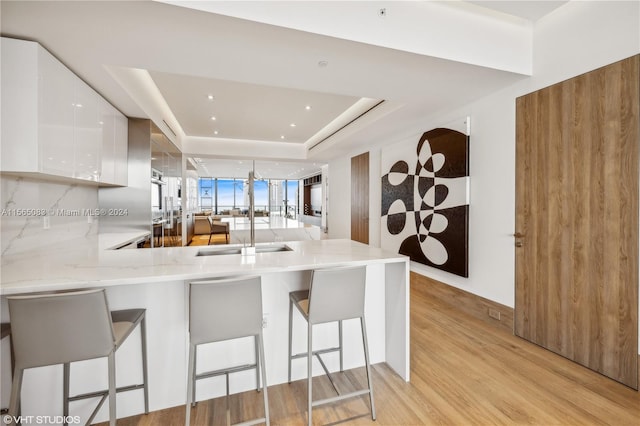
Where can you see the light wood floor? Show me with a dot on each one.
(463, 372)
(203, 240)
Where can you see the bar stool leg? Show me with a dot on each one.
(257, 358)
(309, 372)
(66, 371)
(263, 370)
(191, 383)
(366, 361)
(226, 400)
(112, 388)
(340, 345)
(16, 387)
(290, 336)
(145, 368)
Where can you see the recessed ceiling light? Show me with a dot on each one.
(213, 118)
(215, 132)
(210, 97)
(308, 107)
(292, 125)
(282, 137)
(323, 64)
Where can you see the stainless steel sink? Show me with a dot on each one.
(221, 251)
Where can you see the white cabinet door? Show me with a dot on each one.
(53, 123)
(121, 150)
(108, 134)
(56, 102)
(19, 129)
(87, 133)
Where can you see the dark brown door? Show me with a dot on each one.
(577, 219)
(360, 198)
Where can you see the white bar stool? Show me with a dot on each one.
(226, 309)
(65, 327)
(335, 295)
(5, 331)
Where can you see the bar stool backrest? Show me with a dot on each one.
(61, 327)
(224, 309)
(337, 294)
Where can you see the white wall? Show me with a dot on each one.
(576, 38)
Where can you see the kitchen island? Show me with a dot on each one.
(156, 279)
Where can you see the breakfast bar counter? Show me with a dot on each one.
(156, 279)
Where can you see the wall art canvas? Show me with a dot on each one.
(425, 199)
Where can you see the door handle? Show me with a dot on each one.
(518, 235)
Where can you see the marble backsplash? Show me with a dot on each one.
(37, 214)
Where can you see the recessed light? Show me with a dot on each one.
(308, 107)
(323, 64)
(210, 97)
(213, 118)
(292, 125)
(215, 132)
(282, 137)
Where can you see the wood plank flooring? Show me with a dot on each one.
(463, 372)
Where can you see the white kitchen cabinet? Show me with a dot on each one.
(19, 107)
(121, 150)
(87, 133)
(55, 113)
(115, 128)
(108, 133)
(53, 123)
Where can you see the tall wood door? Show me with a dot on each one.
(577, 219)
(360, 198)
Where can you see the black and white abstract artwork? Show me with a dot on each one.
(425, 200)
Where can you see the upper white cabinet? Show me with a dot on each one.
(114, 137)
(121, 149)
(54, 124)
(54, 119)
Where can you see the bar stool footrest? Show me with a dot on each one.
(339, 397)
(104, 392)
(316, 353)
(225, 371)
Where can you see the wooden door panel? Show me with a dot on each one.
(577, 211)
(360, 198)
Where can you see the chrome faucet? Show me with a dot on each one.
(248, 251)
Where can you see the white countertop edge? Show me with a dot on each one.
(111, 241)
(179, 263)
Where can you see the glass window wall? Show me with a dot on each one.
(230, 196)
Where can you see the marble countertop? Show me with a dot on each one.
(110, 241)
(90, 264)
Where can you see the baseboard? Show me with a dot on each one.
(490, 312)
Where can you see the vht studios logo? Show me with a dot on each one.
(40, 420)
